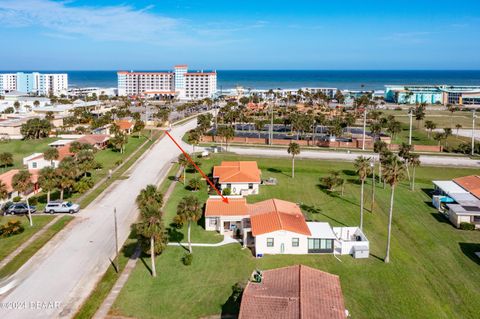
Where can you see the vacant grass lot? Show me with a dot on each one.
(9, 244)
(433, 271)
(20, 149)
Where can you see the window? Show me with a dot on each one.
(270, 242)
(295, 242)
(34, 165)
(229, 185)
(250, 186)
(317, 245)
(213, 222)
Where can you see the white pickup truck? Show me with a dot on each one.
(62, 207)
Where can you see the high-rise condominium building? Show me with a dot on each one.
(180, 83)
(34, 83)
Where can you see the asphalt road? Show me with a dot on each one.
(432, 160)
(58, 279)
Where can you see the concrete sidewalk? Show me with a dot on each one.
(226, 241)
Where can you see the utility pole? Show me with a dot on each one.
(473, 132)
(364, 127)
(410, 115)
(116, 239)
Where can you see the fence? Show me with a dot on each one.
(354, 144)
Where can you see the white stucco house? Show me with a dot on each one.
(276, 226)
(242, 178)
(38, 161)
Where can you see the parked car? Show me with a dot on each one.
(19, 208)
(62, 207)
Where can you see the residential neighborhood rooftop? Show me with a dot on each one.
(293, 292)
(237, 172)
(470, 183)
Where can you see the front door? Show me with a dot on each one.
(282, 248)
(226, 226)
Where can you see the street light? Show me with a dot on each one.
(410, 115)
(474, 116)
(372, 165)
(364, 127)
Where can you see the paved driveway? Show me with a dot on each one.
(56, 281)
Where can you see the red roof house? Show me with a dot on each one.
(295, 292)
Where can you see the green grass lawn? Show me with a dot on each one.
(9, 244)
(31, 249)
(441, 118)
(20, 149)
(433, 272)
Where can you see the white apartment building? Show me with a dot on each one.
(34, 83)
(180, 83)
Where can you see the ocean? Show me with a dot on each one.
(294, 79)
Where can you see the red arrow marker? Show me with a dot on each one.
(224, 199)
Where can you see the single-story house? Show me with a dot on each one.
(7, 178)
(459, 199)
(125, 126)
(242, 177)
(294, 292)
(38, 161)
(98, 141)
(276, 226)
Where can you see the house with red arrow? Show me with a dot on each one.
(275, 226)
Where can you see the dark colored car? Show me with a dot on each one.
(19, 208)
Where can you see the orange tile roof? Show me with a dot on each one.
(7, 177)
(124, 124)
(274, 214)
(64, 151)
(294, 292)
(470, 183)
(266, 216)
(235, 207)
(237, 172)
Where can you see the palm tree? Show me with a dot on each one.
(51, 154)
(67, 172)
(394, 172)
(6, 159)
(362, 165)
(149, 196)
(193, 138)
(151, 232)
(3, 191)
(48, 180)
(294, 150)
(195, 184)
(183, 162)
(447, 131)
(458, 127)
(188, 210)
(430, 126)
(415, 162)
(22, 183)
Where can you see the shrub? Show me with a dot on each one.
(16, 199)
(33, 200)
(83, 184)
(226, 191)
(467, 226)
(119, 162)
(11, 228)
(187, 259)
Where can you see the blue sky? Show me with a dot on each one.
(148, 34)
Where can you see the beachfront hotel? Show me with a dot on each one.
(181, 83)
(433, 94)
(34, 83)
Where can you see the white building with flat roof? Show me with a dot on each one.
(180, 83)
(34, 83)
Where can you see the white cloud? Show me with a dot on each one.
(112, 23)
